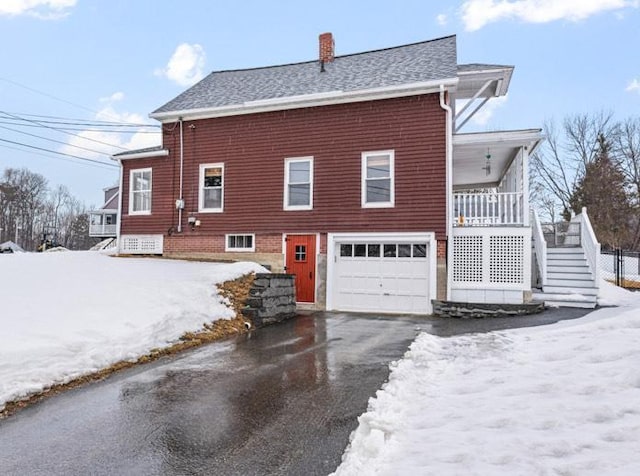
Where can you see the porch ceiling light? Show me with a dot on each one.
(487, 167)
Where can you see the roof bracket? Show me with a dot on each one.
(472, 100)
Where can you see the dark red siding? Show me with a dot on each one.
(253, 149)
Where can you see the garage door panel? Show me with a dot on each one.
(390, 277)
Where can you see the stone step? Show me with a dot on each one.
(566, 300)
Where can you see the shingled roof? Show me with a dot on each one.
(414, 63)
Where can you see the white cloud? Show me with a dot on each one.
(442, 19)
(115, 97)
(186, 65)
(478, 13)
(43, 9)
(102, 143)
(633, 86)
(482, 117)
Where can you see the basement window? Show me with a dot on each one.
(240, 243)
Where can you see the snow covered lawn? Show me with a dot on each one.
(560, 399)
(63, 315)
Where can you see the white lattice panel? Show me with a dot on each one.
(467, 259)
(506, 259)
(141, 244)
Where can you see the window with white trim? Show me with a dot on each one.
(140, 192)
(211, 186)
(240, 242)
(378, 179)
(298, 183)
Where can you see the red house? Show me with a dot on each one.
(347, 171)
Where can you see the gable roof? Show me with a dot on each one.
(416, 63)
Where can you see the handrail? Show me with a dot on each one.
(488, 209)
(540, 245)
(590, 245)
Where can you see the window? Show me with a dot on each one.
(211, 186)
(240, 243)
(298, 183)
(140, 192)
(377, 179)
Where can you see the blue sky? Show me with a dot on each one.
(118, 60)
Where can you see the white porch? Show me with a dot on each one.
(489, 250)
(103, 223)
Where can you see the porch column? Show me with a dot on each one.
(524, 152)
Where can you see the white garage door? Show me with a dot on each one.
(381, 276)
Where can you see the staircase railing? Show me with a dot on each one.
(590, 244)
(540, 246)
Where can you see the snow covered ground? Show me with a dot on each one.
(66, 314)
(554, 400)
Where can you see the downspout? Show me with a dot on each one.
(181, 202)
(449, 184)
(119, 216)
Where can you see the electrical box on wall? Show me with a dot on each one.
(179, 204)
(191, 220)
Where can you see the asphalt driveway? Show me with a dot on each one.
(282, 400)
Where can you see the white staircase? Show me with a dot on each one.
(570, 282)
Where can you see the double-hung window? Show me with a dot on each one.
(211, 195)
(298, 183)
(378, 179)
(140, 192)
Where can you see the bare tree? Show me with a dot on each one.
(560, 163)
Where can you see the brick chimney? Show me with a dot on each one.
(327, 47)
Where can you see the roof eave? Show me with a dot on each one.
(309, 100)
(141, 155)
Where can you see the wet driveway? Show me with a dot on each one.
(282, 400)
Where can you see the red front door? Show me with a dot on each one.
(301, 261)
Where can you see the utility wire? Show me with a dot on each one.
(53, 140)
(92, 121)
(74, 161)
(56, 152)
(63, 131)
(81, 129)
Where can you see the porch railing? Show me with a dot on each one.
(590, 244)
(540, 246)
(488, 209)
(102, 230)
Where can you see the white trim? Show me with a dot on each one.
(432, 253)
(141, 155)
(520, 137)
(131, 201)
(201, 208)
(119, 216)
(308, 100)
(228, 249)
(287, 163)
(363, 179)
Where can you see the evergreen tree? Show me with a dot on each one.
(604, 191)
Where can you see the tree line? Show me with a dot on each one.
(31, 211)
(592, 161)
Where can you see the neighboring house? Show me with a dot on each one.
(103, 222)
(349, 172)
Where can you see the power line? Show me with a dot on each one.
(81, 129)
(51, 96)
(63, 131)
(92, 121)
(56, 152)
(100, 166)
(53, 140)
